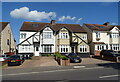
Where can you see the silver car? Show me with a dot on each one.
(3, 57)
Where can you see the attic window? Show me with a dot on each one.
(35, 25)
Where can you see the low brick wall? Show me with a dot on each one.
(97, 53)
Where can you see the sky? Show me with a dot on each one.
(63, 12)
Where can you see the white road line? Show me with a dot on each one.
(94, 68)
(79, 66)
(109, 76)
(49, 71)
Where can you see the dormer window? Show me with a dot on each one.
(35, 25)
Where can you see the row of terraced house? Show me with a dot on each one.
(37, 38)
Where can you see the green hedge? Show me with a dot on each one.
(57, 54)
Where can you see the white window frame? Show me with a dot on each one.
(63, 48)
(84, 36)
(83, 48)
(114, 35)
(47, 35)
(115, 47)
(23, 35)
(47, 48)
(97, 34)
(100, 47)
(63, 35)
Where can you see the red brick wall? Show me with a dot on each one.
(97, 53)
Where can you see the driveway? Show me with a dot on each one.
(86, 61)
(43, 61)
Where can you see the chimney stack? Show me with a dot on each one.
(53, 22)
(107, 24)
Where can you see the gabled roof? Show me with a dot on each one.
(99, 27)
(3, 25)
(28, 26)
(114, 26)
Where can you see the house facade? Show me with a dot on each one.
(101, 37)
(47, 38)
(7, 41)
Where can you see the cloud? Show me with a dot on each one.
(32, 15)
(114, 23)
(63, 18)
(79, 20)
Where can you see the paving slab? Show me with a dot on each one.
(87, 61)
(43, 61)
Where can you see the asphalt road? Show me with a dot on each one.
(109, 71)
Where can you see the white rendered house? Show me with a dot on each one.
(47, 38)
(102, 37)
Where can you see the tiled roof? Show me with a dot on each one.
(116, 26)
(28, 26)
(99, 27)
(3, 25)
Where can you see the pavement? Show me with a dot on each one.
(43, 61)
(87, 61)
(47, 69)
(50, 61)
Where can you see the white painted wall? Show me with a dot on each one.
(103, 37)
(44, 41)
(28, 34)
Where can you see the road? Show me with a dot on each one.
(109, 71)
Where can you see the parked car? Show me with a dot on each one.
(3, 57)
(109, 53)
(74, 57)
(15, 60)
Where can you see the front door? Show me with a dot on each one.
(36, 51)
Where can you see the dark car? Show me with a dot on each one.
(109, 53)
(15, 60)
(74, 57)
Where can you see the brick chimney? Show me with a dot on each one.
(52, 22)
(107, 23)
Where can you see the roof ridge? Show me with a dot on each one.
(50, 23)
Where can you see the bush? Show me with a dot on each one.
(57, 54)
(48, 54)
(63, 57)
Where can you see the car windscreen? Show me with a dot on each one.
(15, 57)
(72, 54)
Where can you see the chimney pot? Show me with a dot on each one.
(53, 22)
(107, 23)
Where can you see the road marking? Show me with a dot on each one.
(94, 68)
(50, 71)
(109, 76)
(79, 66)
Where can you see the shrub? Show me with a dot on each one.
(64, 57)
(57, 54)
(48, 54)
